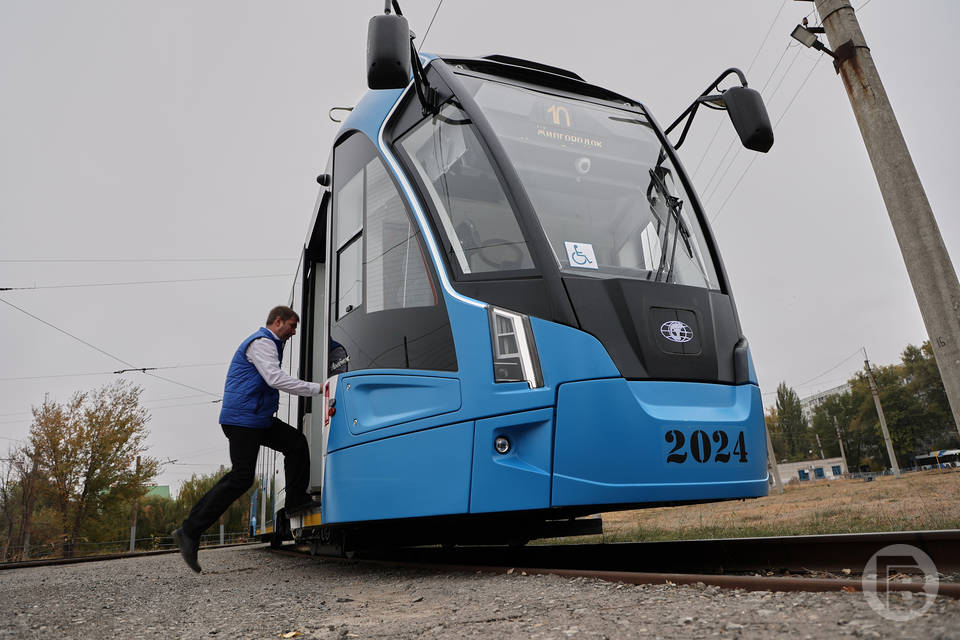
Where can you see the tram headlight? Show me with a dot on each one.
(515, 356)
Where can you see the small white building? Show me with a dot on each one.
(805, 470)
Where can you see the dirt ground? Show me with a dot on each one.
(923, 500)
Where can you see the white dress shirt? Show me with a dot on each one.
(262, 354)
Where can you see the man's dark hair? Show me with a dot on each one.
(282, 312)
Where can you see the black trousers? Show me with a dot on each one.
(245, 444)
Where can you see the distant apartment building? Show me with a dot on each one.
(809, 404)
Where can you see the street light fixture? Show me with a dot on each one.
(808, 38)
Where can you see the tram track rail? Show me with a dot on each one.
(799, 563)
(795, 563)
(50, 562)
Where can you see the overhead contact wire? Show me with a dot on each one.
(749, 68)
(98, 349)
(833, 368)
(67, 333)
(429, 26)
(110, 373)
(768, 99)
(144, 260)
(747, 169)
(139, 282)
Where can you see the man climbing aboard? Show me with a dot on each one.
(251, 396)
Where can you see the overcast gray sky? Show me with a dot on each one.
(184, 138)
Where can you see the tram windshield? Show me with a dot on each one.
(606, 193)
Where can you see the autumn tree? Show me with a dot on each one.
(9, 501)
(197, 486)
(858, 441)
(157, 516)
(26, 465)
(914, 404)
(791, 424)
(87, 448)
(922, 379)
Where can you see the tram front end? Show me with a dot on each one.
(564, 209)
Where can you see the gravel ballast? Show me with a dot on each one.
(248, 592)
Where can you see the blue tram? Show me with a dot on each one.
(518, 308)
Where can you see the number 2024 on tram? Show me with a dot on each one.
(518, 309)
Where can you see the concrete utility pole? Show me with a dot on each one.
(843, 456)
(28, 495)
(772, 464)
(820, 446)
(883, 420)
(133, 516)
(931, 272)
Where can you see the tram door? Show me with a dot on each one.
(313, 287)
(315, 355)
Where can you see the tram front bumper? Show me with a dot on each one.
(619, 441)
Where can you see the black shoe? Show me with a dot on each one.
(188, 548)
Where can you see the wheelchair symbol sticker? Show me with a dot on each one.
(580, 255)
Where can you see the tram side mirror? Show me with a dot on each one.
(749, 117)
(388, 52)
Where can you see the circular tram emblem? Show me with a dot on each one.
(676, 331)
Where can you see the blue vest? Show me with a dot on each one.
(248, 401)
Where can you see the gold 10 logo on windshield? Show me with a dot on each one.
(560, 115)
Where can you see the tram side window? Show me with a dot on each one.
(386, 311)
(349, 234)
(396, 273)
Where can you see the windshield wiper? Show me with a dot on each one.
(674, 205)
